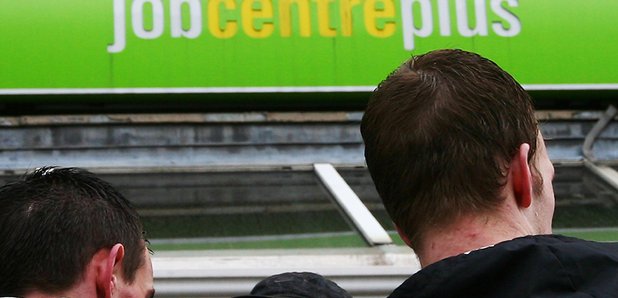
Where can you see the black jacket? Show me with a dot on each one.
(532, 266)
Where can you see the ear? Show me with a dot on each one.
(521, 178)
(403, 236)
(106, 281)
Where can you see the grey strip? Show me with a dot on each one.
(298, 89)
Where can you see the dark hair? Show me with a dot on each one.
(439, 133)
(297, 285)
(53, 221)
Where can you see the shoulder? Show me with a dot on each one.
(520, 267)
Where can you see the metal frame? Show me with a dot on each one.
(362, 218)
(606, 173)
(257, 89)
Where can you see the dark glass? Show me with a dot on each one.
(290, 209)
(586, 206)
(212, 210)
(583, 200)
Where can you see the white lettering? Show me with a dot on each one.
(514, 26)
(119, 28)
(463, 26)
(137, 13)
(195, 9)
(407, 16)
(417, 19)
(445, 18)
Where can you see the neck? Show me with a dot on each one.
(85, 287)
(73, 293)
(468, 234)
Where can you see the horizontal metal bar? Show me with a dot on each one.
(363, 272)
(215, 90)
(296, 89)
(183, 157)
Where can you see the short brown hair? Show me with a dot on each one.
(439, 133)
(53, 221)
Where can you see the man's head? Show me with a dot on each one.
(60, 227)
(440, 133)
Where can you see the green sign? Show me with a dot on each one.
(120, 46)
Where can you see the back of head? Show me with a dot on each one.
(439, 133)
(53, 221)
